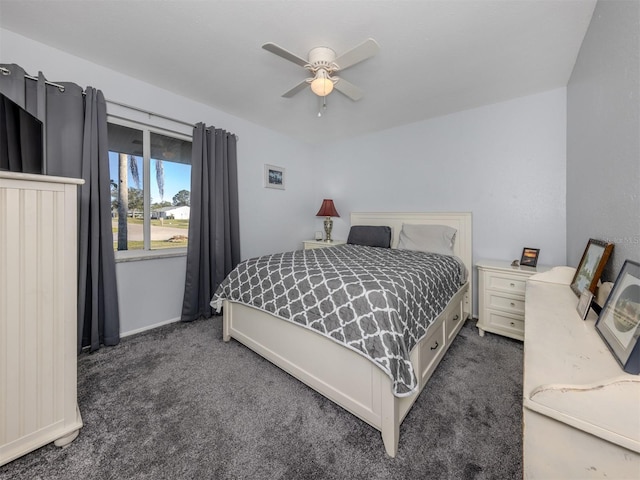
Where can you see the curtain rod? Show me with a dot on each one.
(6, 71)
(159, 115)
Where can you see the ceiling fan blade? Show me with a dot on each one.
(298, 88)
(357, 54)
(348, 89)
(281, 52)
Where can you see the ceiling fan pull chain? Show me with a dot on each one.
(323, 107)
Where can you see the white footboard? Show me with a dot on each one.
(340, 374)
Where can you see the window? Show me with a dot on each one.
(150, 172)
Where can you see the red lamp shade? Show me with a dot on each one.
(327, 209)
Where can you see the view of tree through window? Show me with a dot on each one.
(150, 188)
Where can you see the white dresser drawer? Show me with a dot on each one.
(505, 283)
(506, 323)
(509, 303)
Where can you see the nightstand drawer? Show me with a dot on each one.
(513, 304)
(506, 323)
(505, 283)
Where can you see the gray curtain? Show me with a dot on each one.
(75, 145)
(214, 231)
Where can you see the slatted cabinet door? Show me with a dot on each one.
(38, 327)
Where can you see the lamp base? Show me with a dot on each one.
(328, 226)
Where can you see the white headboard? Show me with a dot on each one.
(461, 221)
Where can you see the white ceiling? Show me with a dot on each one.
(436, 57)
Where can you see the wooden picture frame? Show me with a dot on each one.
(619, 321)
(529, 257)
(274, 177)
(591, 265)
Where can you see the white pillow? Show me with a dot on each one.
(428, 238)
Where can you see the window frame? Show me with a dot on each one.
(146, 129)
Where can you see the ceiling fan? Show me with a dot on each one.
(323, 64)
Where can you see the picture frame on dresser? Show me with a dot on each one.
(619, 321)
(529, 257)
(591, 265)
(584, 303)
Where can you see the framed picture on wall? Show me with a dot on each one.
(529, 257)
(590, 268)
(274, 177)
(619, 320)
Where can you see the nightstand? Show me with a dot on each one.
(501, 289)
(309, 244)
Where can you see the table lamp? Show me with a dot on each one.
(327, 210)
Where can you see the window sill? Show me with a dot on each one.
(138, 255)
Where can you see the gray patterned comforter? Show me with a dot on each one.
(376, 301)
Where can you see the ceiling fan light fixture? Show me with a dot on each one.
(324, 64)
(322, 84)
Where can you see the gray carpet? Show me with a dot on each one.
(178, 403)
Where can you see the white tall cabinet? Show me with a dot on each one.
(38, 327)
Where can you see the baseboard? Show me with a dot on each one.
(148, 327)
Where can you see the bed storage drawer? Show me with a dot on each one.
(431, 351)
(453, 321)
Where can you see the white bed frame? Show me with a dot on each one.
(342, 375)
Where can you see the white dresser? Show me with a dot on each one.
(581, 412)
(501, 301)
(38, 327)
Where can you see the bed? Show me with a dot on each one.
(345, 375)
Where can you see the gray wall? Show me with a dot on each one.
(150, 290)
(603, 136)
(504, 162)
